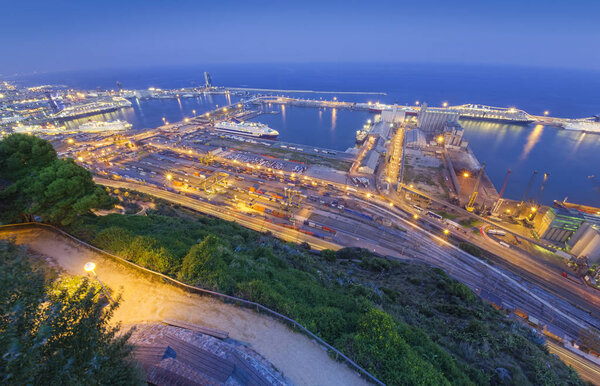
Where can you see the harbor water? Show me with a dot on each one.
(572, 159)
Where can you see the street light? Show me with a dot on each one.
(90, 267)
(416, 216)
(70, 140)
(546, 112)
(446, 232)
(440, 139)
(194, 112)
(466, 174)
(445, 104)
(169, 177)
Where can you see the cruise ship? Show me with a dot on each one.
(87, 109)
(101, 126)
(588, 125)
(489, 113)
(251, 129)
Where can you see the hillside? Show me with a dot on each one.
(407, 323)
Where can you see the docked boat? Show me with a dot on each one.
(102, 126)
(93, 108)
(251, 129)
(361, 135)
(586, 125)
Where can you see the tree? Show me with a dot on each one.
(22, 154)
(57, 331)
(204, 265)
(62, 191)
(43, 185)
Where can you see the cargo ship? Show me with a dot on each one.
(251, 129)
(101, 126)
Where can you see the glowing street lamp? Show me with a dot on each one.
(169, 177)
(416, 216)
(80, 159)
(440, 139)
(546, 112)
(70, 141)
(90, 267)
(445, 104)
(466, 174)
(446, 232)
(194, 112)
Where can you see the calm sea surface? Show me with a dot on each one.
(572, 159)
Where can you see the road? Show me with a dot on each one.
(301, 360)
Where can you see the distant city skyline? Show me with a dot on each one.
(68, 35)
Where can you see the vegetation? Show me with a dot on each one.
(405, 323)
(384, 314)
(41, 185)
(56, 331)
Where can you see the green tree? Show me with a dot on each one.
(21, 154)
(205, 265)
(62, 191)
(57, 332)
(383, 351)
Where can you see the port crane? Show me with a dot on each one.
(500, 200)
(471, 203)
(524, 199)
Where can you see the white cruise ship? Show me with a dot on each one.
(252, 129)
(100, 126)
(587, 125)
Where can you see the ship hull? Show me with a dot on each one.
(244, 134)
(88, 114)
(523, 122)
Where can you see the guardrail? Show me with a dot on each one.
(247, 303)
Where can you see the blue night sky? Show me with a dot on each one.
(70, 35)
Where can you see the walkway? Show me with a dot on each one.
(302, 361)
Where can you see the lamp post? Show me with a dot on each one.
(90, 267)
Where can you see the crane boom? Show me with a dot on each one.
(473, 197)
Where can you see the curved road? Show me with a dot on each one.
(301, 360)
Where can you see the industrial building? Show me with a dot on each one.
(434, 120)
(564, 219)
(415, 139)
(394, 115)
(453, 135)
(558, 224)
(369, 162)
(586, 243)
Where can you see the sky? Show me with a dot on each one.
(59, 35)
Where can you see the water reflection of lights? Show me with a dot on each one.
(532, 139)
(333, 118)
(283, 112)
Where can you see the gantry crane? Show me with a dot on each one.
(471, 203)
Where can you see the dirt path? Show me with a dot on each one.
(302, 360)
